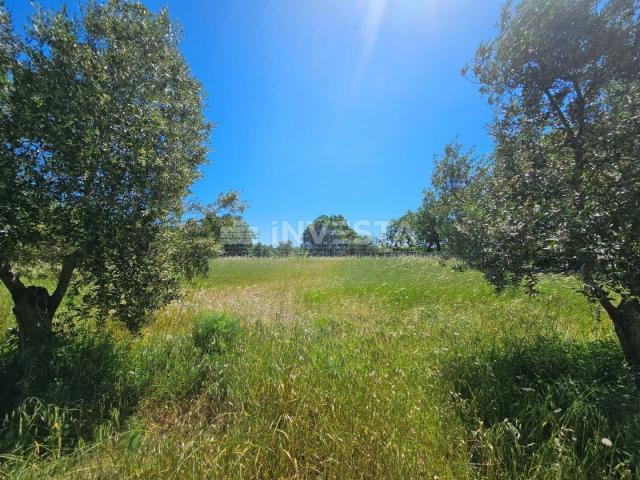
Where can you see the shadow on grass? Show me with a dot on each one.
(549, 407)
(60, 396)
(88, 383)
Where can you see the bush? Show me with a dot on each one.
(214, 333)
(170, 369)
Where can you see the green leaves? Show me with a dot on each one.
(565, 79)
(210, 232)
(107, 134)
(330, 235)
(451, 216)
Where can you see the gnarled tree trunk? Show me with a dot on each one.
(34, 318)
(626, 322)
(34, 307)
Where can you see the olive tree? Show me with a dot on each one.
(332, 235)
(458, 187)
(429, 222)
(8, 45)
(103, 133)
(449, 216)
(564, 79)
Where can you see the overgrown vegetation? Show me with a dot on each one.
(330, 368)
(52, 407)
(536, 405)
(401, 368)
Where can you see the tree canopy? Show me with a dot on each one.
(443, 220)
(103, 133)
(564, 79)
(331, 235)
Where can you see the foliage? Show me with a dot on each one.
(332, 235)
(8, 165)
(428, 223)
(452, 212)
(284, 249)
(459, 185)
(401, 232)
(105, 136)
(564, 79)
(200, 238)
(261, 250)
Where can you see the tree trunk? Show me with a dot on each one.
(626, 321)
(31, 308)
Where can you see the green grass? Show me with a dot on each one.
(339, 368)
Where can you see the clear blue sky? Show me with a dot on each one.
(330, 106)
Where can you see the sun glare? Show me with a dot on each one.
(425, 15)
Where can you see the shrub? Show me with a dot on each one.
(215, 333)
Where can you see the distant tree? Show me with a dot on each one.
(237, 237)
(423, 229)
(459, 185)
(284, 249)
(400, 232)
(262, 250)
(428, 223)
(564, 79)
(362, 245)
(103, 133)
(329, 234)
(450, 215)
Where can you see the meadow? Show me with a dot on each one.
(331, 368)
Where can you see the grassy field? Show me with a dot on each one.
(336, 368)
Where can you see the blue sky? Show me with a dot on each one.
(329, 106)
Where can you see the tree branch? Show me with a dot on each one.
(11, 281)
(563, 119)
(607, 304)
(64, 279)
(581, 109)
(596, 291)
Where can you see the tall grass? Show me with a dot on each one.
(342, 368)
